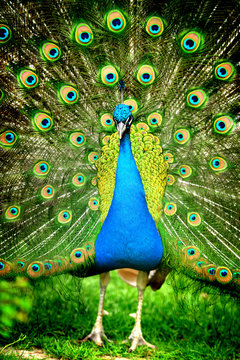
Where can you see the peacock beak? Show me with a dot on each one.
(121, 128)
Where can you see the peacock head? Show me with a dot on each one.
(123, 118)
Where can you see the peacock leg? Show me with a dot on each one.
(136, 336)
(97, 334)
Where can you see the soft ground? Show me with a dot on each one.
(185, 324)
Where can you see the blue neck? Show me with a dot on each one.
(129, 237)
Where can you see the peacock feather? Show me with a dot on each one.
(119, 138)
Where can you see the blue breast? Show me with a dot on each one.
(129, 237)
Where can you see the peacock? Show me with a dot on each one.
(119, 142)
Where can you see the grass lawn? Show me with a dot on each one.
(182, 324)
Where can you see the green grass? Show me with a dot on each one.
(181, 324)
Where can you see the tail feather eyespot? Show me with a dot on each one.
(35, 269)
(209, 272)
(181, 136)
(77, 139)
(93, 157)
(51, 51)
(133, 105)
(107, 121)
(90, 249)
(47, 192)
(68, 94)
(224, 71)
(154, 26)
(109, 75)
(223, 275)
(185, 171)
(79, 180)
(218, 164)
(64, 217)
(191, 253)
(41, 168)
(8, 138)
(223, 124)
(191, 42)
(13, 212)
(42, 121)
(170, 209)
(5, 33)
(116, 21)
(93, 203)
(146, 75)
(194, 219)
(5, 268)
(196, 98)
(154, 120)
(78, 256)
(83, 34)
(28, 79)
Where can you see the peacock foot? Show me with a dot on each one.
(137, 339)
(97, 336)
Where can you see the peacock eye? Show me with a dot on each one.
(20, 264)
(116, 21)
(169, 158)
(47, 192)
(28, 79)
(170, 179)
(93, 157)
(170, 209)
(196, 98)
(68, 94)
(12, 212)
(107, 121)
(109, 75)
(5, 33)
(223, 124)
(64, 216)
(191, 42)
(93, 204)
(182, 136)
(35, 267)
(154, 26)
(185, 171)
(146, 75)
(223, 275)
(42, 121)
(48, 266)
(77, 139)
(78, 180)
(212, 271)
(154, 119)
(236, 275)
(133, 105)
(78, 256)
(224, 71)
(191, 252)
(51, 51)
(218, 164)
(83, 34)
(42, 168)
(142, 126)
(194, 219)
(8, 138)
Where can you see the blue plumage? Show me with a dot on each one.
(129, 237)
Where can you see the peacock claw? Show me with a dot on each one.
(97, 336)
(137, 339)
